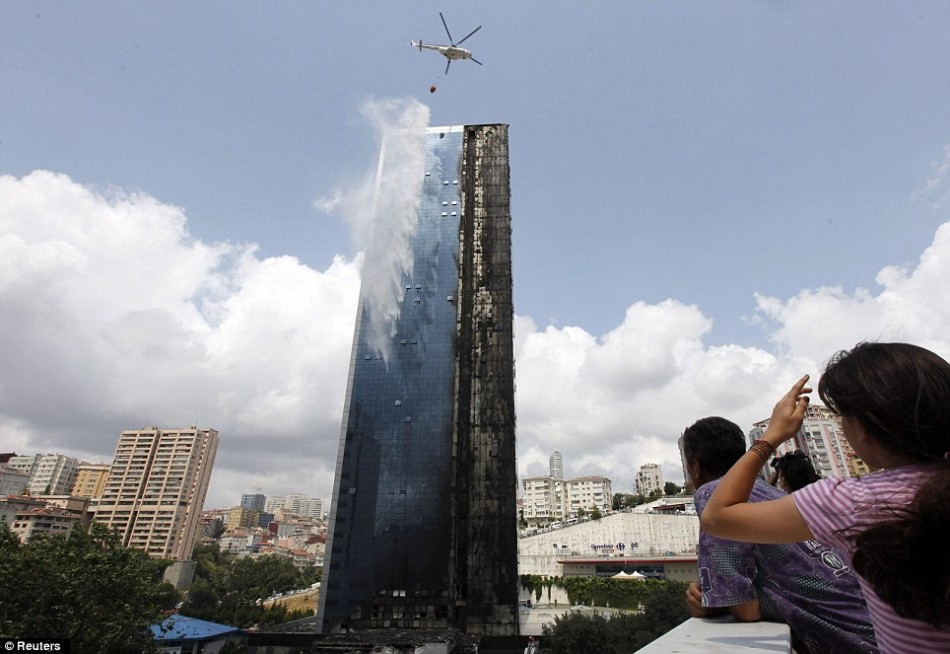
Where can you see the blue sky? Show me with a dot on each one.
(700, 192)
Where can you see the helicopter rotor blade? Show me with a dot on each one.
(469, 34)
(447, 64)
(445, 25)
(476, 60)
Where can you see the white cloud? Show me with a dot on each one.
(115, 317)
(910, 305)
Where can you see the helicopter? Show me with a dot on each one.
(451, 51)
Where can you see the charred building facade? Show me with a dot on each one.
(423, 523)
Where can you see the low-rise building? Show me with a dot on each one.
(29, 523)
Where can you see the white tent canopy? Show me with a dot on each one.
(632, 575)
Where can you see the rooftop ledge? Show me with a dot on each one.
(722, 634)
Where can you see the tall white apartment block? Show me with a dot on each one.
(587, 494)
(649, 478)
(272, 504)
(50, 474)
(822, 439)
(546, 499)
(297, 504)
(541, 501)
(156, 489)
(557, 465)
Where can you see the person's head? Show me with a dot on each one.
(795, 471)
(710, 447)
(898, 394)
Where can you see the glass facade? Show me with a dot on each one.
(399, 536)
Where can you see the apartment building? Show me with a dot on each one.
(12, 481)
(50, 474)
(586, 494)
(90, 479)
(823, 441)
(48, 521)
(242, 517)
(156, 489)
(649, 478)
(541, 500)
(547, 500)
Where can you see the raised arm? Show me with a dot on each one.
(729, 514)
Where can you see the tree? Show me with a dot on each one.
(85, 587)
(670, 488)
(621, 501)
(663, 609)
(230, 590)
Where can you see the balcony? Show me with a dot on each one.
(722, 634)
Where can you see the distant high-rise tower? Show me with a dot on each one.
(156, 489)
(423, 521)
(557, 466)
(254, 502)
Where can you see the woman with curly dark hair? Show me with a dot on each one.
(894, 524)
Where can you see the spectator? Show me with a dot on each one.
(894, 403)
(793, 471)
(804, 584)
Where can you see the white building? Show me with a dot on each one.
(295, 504)
(547, 500)
(541, 500)
(303, 506)
(585, 494)
(273, 504)
(50, 474)
(649, 538)
(649, 478)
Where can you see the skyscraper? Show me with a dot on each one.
(254, 502)
(423, 518)
(557, 465)
(156, 489)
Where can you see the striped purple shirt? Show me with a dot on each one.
(831, 507)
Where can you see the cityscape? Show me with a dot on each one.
(152, 494)
(51, 494)
(265, 389)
